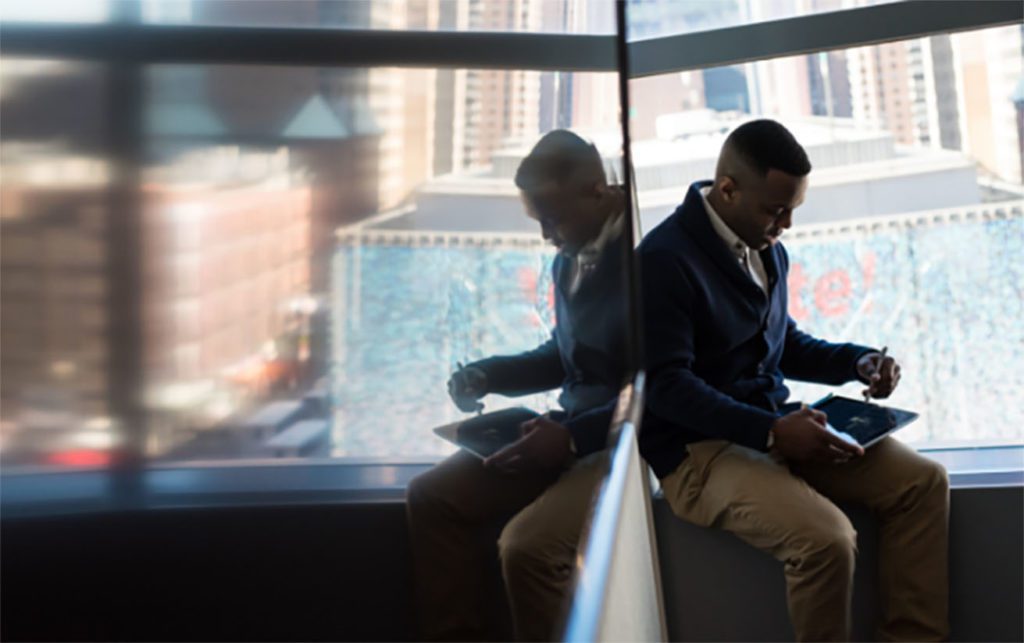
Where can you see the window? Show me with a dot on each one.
(304, 227)
(907, 235)
(656, 18)
(423, 15)
(55, 199)
(77, 11)
(319, 243)
(342, 254)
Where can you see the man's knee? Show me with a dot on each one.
(515, 545)
(925, 484)
(933, 486)
(421, 493)
(829, 542)
(521, 545)
(935, 477)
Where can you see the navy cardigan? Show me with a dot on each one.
(586, 354)
(717, 347)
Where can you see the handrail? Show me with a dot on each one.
(588, 616)
(594, 569)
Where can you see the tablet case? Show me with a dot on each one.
(485, 434)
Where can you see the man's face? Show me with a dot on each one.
(567, 214)
(762, 207)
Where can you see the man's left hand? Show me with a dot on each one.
(881, 373)
(544, 445)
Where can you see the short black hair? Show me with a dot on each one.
(765, 144)
(558, 155)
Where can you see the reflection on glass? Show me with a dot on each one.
(913, 213)
(53, 311)
(323, 245)
(655, 18)
(81, 11)
(552, 16)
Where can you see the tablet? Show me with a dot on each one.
(862, 422)
(484, 435)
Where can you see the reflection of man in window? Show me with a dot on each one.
(544, 481)
(730, 452)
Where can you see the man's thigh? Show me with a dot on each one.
(753, 495)
(461, 487)
(879, 479)
(554, 521)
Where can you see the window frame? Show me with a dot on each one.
(126, 45)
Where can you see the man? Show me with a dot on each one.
(544, 481)
(730, 452)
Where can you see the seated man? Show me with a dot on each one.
(545, 481)
(730, 452)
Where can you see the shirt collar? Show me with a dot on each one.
(731, 239)
(590, 253)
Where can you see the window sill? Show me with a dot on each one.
(354, 480)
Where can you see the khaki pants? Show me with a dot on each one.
(787, 511)
(450, 506)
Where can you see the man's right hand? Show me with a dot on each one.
(466, 386)
(801, 436)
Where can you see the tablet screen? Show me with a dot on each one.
(865, 422)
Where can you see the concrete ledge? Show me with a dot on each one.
(718, 588)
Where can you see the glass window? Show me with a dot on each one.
(913, 216)
(530, 16)
(526, 16)
(656, 18)
(327, 245)
(55, 203)
(80, 11)
(318, 245)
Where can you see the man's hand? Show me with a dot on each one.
(881, 372)
(801, 436)
(466, 386)
(544, 445)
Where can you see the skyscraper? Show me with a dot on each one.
(989, 65)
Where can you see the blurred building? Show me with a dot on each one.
(479, 109)
(226, 287)
(989, 66)
(53, 312)
(224, 291)
(953, 91)
(858, 173)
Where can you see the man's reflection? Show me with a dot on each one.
(544, 480)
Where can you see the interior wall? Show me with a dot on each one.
(269, 573)
(341, 571)
(718, 588)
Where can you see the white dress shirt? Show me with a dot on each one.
(748, 258)
(586, 259)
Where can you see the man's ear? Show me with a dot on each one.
(727, 188)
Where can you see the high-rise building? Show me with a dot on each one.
(934, 92)
(1018, 102)
(949, 91)
(989, 65)
(225, 271)
(54, 289)
(880, 89)
(478, 111)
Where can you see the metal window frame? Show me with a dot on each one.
(327, 47)
(856, 27)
